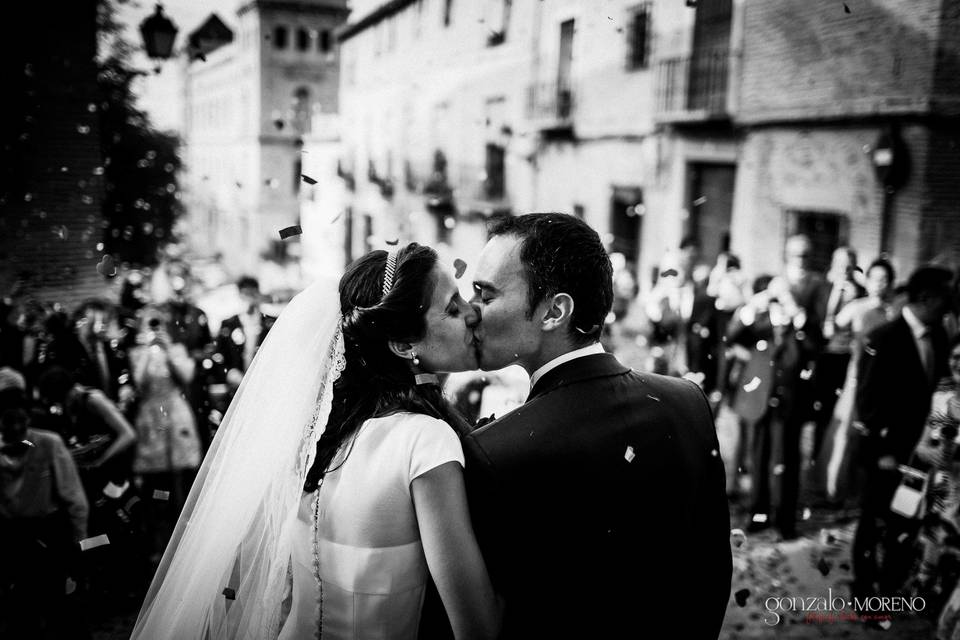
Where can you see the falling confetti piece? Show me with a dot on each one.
(96, 541)
(308, 179)
(107, 267)
(460, 268)
(806, 513)
(336, 217)
(753, 385)
(654, 398)
(714, 453)
(161, 495)
(741, 597)
(823, 566)
(846, 9)
(629, 455)
(289, 232)
(669, 272)
(230, 594)
(393, 242)
(60, 231)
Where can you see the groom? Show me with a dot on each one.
(599, 504)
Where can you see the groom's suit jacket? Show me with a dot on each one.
(600, 507)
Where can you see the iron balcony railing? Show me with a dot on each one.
(694, 86)
(551, 104)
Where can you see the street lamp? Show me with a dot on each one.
(158, 34)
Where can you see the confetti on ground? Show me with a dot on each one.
(107, 267)
(629, 455)
(741, 597)
(460, 266)
(289, 232)
(308, 179)
(823, 566)
(96, 541)
(161, 495)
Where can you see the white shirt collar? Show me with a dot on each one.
(917, 328)
(567, 357)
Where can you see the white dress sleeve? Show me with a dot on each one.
(432, 443)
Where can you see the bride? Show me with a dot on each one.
(335, 485)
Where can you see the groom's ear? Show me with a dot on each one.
(402, 349)
(557, 313)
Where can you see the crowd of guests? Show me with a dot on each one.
(846, 388)
(108, 409)
(106, 413)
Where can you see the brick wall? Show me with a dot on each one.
(51, 192)
(811, 59)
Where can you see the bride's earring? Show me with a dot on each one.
(416, 360)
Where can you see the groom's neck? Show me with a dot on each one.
(550, 350)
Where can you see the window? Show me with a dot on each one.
(303, 39)
(325, 41)
(827, 231)
(638, 37)
(447, 12)
(497, 19)
(494, 187)
(301, 110)
(280, 37)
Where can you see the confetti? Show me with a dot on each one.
(107, 267)
(92, 543)
(393, 242)
(823, 566)
(741, 597)
(460, 267)
(654, 398)
(230, 594)
(753, 385)
(737, 538)
(846, 9)
(669, 272)
(629, 455)
(289, 232)
(308, 179)
(161, 495)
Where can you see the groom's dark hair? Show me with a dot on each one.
(563, 254)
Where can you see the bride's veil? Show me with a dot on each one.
(224, 571)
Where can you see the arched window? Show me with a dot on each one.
(301, 110)
(303, 39)
(280, 37)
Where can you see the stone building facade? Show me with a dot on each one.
(736, 122)
(251, 94)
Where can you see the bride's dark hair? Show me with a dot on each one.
(376, 382)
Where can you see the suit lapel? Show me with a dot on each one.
(593, 366)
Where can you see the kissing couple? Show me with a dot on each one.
(344, 497)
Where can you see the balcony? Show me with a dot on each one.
(551, 106)
(694, 88)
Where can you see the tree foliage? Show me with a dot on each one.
(141, 164)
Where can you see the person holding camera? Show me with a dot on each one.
(43, 517)
(168, 447)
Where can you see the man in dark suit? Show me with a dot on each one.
(901, 364)
(242, 334)
(599, 504)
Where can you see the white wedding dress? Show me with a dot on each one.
(357, 567)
